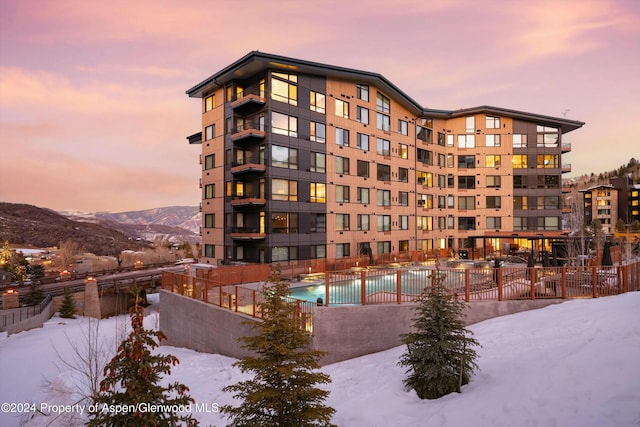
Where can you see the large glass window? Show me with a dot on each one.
(466, 202)
(519, 141)
(547, 136)
(466, 162)
(363, 142)
(466, 182)
(317, 132)
(492, 122)
(548, 161)
(383, 172)
(363, 195)
(425, 156)
(342, 193)
(384, 222)
(467, 223)
(383, 147)
(383, 122)
(284, 157)
(362, 92)
(425, 201)
(363, 168)
(424, 178)
(384, 197)
(342, 137)
(548, 181)
(317, 102)
(466, 141)
(342, 165)
(519, 161)
(284, 222)
(284, 253)
(318, 251)
(284, 88)
(425, 223)
(363, 115)
(342, 108)
(363, 222)
(383, 103)
(318, 223)
(318, 192)
(283, 124)
(284, 189)
(343, 222)
(318, 162)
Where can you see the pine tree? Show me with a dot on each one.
(283, 389)
(132, 382)
(440, 357)
(68, 305)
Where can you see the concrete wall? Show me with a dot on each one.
(344, 332)
(32, 322)
(202, 327)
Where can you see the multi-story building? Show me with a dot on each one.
(303, 160)
(601, 204)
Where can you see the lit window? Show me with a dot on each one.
(318, 192)
(209, 103)
(284, 189)
(492, 161)
(342, 108)
(283, 124)
(492, 122)
(317, 132)
(317, 102)
(519, 161)
(284, 91)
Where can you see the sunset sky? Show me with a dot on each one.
(94, 116)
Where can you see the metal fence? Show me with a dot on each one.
(18, 315)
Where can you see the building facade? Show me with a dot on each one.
(302, 160)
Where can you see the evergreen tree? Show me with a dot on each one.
(440, 357)
(620, 228)
(132, 378)
(35, 294)
(283, 389)
(68, 306)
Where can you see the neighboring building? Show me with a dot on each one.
(601, 203)
(628, 199)
(303, 160)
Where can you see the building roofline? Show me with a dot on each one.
(256, 61)
(595, 187)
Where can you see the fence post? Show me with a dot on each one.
(399, 286)
(326, 287)
(363, 286)
(594, 280)
(236, 299)
(532, 271)
(625, 278)
(467, 286)
(499, 277)
(564, 282)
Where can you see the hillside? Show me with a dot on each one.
(29, 225)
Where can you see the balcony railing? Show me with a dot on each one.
(248, 132)
(248, 101)
(248, 164)
(247, 233)
(566, 168)
(248, 201)
(566, 147)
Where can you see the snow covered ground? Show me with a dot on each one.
(570, 364)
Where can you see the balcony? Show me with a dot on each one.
(566, 209)
(566, 190)
(248, 102)
(248, 165)
(248, 133)
(247, 233)
(248, 201)
(566, 148)
(566, 168)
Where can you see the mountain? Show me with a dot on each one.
(28, 225)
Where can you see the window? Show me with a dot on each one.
(403, 127)
(318, 223)
(342, 250)
(342, 222)
(466, 202)
(382, 103)
(209, 220)
(284, 253)
(317, 192)
(342, 193)
(548, 202)
(383, 147)
(441, 139)
(547, 136)
(424, 134)
(209, 191)
(548, 161)
(363, 115)
(450, 160)
(519, 141)
(383, 197)
(318, 251)
(283, 88)
(317, 132)
(284, 157)
(494, 202)
(466, 182)
(342, 165)
(363, 222)
(425, 201)
(492, 161)
(548, 181)
(520, 202)
(424, 178)
(383, 122)
(403, 151)
(209, 251)
(342, 137)
(442, 160)
(384, 247)
(383, 172)
(466, 223)
(284, 222)
(363, 168)
(466, 141)
(363, 195)
(403, 222)
(519, 181)
(403, 198)
(209, 103)
(363, 142)
(466, 162)
(282, 124)
(318, 162)
(519, 161)
(470, 124)
(209, 161)
(284, 189)
(342, 108)
(209, 132)
(362, 92)
(442, 181)
(384, 222)
(492, 140)
(494, 222)
(403, 174)
(519, 223)
(450, 140)
(493, 181)
(492, 122)
(317, 102)
(425, 223)
(450, 222)
(548, 223)
(450, 181)
(425, 156)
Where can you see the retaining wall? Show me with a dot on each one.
(344, 332)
